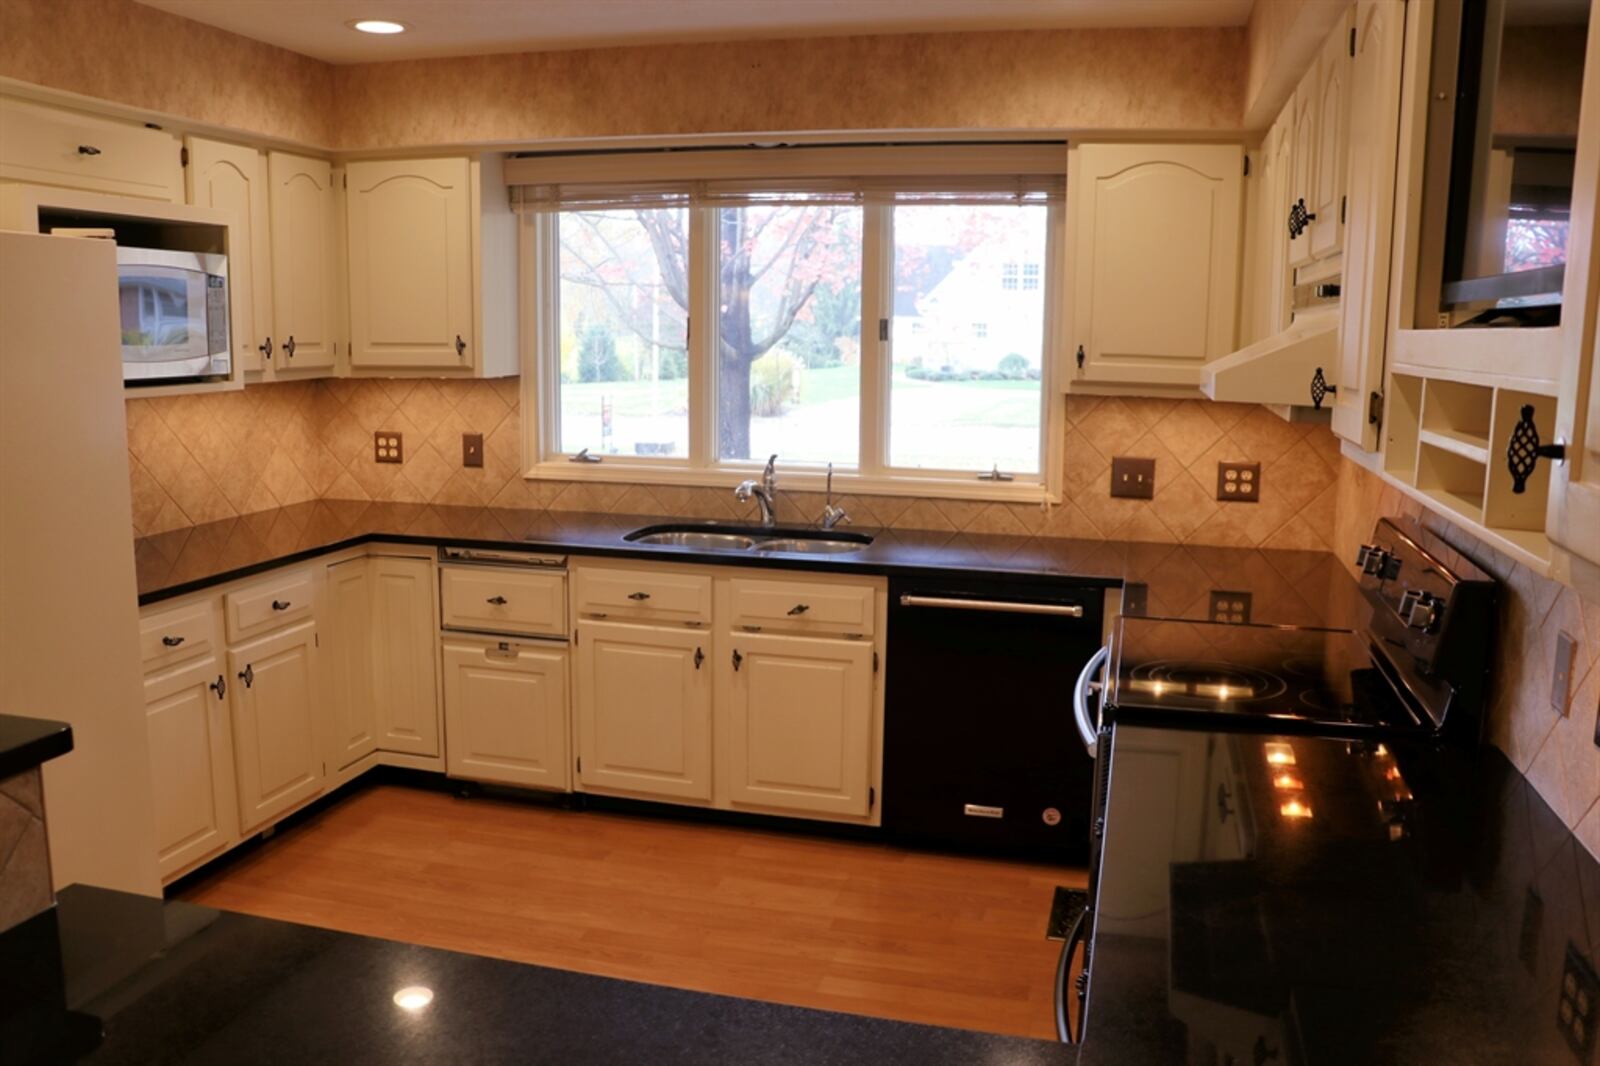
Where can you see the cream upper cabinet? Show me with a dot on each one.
(1154, 237)
(191, 763)
(1333, 91)
(405, 683)
(799, 730)
(1303, 164)
(1364, 303)
(411, 253)
(272, 683)
(305, 316)
(234, 178)
(644, 709)
(44, 145)
(506, 711)
(348, 627)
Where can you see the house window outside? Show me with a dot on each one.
(1008, 276)
(1030, 276)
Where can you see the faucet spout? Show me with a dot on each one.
(764, 492)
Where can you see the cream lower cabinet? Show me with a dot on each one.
(505, 707)
(347, 621)
(644, 709)
(404, 631)
(191, 764)
(277, 755)
(799, 724)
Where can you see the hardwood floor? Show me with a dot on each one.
(845, 926)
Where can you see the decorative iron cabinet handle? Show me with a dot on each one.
(461, 347)
(737, 659)
(219, 686)
(88, 149)
(700, 657)
(638, 597)
(172, 642)
(248, 675)
(1320, 389)
(282, 605)
(498, 601)
(288, 346)
(1523, 450)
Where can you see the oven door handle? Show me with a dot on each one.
(950, 603)
(1063, 966)
(1087, 729)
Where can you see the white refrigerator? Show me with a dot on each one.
(69, 617)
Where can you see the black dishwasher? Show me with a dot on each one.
(980, 746)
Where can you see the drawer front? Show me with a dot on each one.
(802, 607)
(644, 594)
(495, 600)
(45, 146)
(266, 605)
(175, 635)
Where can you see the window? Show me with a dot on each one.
(893, 328)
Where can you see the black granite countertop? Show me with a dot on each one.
(1430, 908)
(173, 983)
(1284, 587)
(27, 742)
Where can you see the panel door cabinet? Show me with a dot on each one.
(44, 145)
(506, 711)
(1303, 165)
(1153, 235)
(305, 319)
(1332, 96)
(644, 709)
(405, 681)
(277, 754)
(234, 178)
(347, 624)
(799, 724)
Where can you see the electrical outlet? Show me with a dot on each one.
(1136, 601)
(1239, 482)
(472, 449)
(1133, 479)
(1230, 607)
(1561, 678)
(387, 447)
(1580, 1001)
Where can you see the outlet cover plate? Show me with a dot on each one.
(472, 449)
(387, 447)
(1133, 479)
(1580, 1001)
(1230, 607)
(1239, 482)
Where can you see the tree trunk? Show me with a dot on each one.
(733, 406)
(735, 350)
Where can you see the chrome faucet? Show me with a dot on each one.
(831, 515)
(765, 493)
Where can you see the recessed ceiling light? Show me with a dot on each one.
(384, 26)
(414, 997)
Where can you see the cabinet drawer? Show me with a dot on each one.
(646, 594)
(802, 607)
(504, 600)
(46, 146)
(266, 605)
(175, 635)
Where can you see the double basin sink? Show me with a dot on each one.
(736, 538)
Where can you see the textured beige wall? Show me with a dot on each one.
(201, 458)
(1557, 753)
(131, 54)
(1541, 81)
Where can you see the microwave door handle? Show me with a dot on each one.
(1088, 731)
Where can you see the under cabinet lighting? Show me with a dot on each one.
(379, 26)
(413, 998)
(1295, 809)
(1278, 754)
(1287, 782)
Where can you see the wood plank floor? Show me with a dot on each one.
(846, 926)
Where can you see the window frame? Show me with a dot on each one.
(543, 459)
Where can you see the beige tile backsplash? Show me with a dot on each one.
(24, 853)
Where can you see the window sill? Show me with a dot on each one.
(798, 479)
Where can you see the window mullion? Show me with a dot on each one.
(877, 306)
(703, 320)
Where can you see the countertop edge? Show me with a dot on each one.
(27, 742)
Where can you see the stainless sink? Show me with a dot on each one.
(737, 542)
(809, 545)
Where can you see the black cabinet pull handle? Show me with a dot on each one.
(498, 601)
(88, 149)
(1080, 357)
(700, 657)
(737, 659)
(1299, 218)
(265, 349)
(282, 605)
(172, 642)
(288, 346)
(1320, 389)
(248, 675)
(219, 686)
(461, 347)
(800, 608)
(638, 597)
(1523, 450)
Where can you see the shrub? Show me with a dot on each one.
(1014, 366)
(774, 384)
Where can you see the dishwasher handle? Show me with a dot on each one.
(1066, 610)
(1069, 947)
(1087, 729)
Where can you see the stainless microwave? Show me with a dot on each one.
(174, 316)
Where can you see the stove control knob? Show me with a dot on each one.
(1362, 553)
(1420, 609)
(1374, 560)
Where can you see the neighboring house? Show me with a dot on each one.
(970, 311)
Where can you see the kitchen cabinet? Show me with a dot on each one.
(191, 763)
(1154, 237)
(1302, 165)
(799, 724)
(234, 178)
(405, 681)
(1270, 280)
(305, 318)
(348, 626)
(644, 709)
(44, 145)
(277, 754)
(505, 705)
(1332, 95)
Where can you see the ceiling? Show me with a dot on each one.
(474, 27)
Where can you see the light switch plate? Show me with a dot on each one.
(1133, 479)
(472, 449)
(1239, 482)
(387, 447)
(1561, 679)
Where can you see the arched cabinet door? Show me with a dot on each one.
(1335, 87)
(234, 178)
(304, 283)
(410, 230)
(1154, 239)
